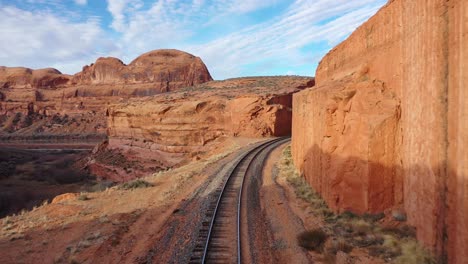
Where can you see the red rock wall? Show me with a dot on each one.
(347, 151)
(173, 131)
(166, 70)
(86, 95)
(260, 116)
(402, 157)
(457, 220)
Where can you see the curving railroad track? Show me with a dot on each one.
(219, 239)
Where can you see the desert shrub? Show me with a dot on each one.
(83, 197)
(135, 185)
(348, 215)
(349, 229)
(373, 217)
(401, 232)
(389, 248)
(338, 245)
(413, 253)
(361, 227)
(101, 186)
(312, 239)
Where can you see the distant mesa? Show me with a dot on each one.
(46, 103)
(168, 69)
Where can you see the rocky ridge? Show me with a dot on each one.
(174, 128)
(32, 100)
(385, 127)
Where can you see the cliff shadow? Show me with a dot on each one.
(433, 197)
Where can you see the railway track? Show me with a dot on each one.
(219, 239)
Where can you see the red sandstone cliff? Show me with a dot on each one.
(30, 100)
(165, 69)
(174, 128)
(386, 125)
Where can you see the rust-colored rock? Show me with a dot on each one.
(166, 70)
(348, 149)
(173, 128)
(31, 101)
(457, 136)
(64, 197)
(18, 77)
(412, 153)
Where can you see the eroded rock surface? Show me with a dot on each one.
(348, 142)
(176, 127)
(166, 69)
(386, 125)
(46, 102)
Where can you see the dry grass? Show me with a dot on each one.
(136, 184)
(83, 197)
(301, 187)
(413, 253)
(348, 230)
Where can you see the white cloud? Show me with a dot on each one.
(81, 2)
(282, 38)
(119, 10)
(42, 39)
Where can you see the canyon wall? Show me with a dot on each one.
(457, 136)
(385, 126)
(175, 128)
(30, 100)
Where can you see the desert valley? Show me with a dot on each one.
(154, 161)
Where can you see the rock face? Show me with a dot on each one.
(174, 128)
(386, 125)
(352, 133)
(166, 70)
(18, 77)
(30, 99)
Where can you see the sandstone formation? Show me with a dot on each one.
(174, 128)
(166, 70)
(32, 101)
(349, 136)
(386, 125)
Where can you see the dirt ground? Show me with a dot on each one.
(278, 207)
(118, 225)
(156, 220)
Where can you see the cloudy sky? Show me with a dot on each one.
(233, 37)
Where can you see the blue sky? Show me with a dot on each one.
(233, 37)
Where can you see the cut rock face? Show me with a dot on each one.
(351, 132)
(402, 146)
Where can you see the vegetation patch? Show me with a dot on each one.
(136, 184)
(347, 231)
(83, 197)
(312, 239)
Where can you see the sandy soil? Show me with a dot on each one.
(282, 222)
(145, 225)
(287, 216)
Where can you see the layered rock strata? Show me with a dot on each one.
(31, 99)
(176, 127)
(386, 125)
